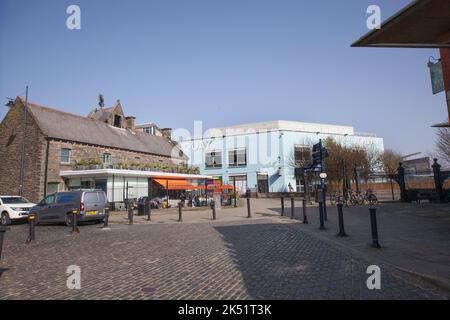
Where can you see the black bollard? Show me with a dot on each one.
(180, 212)
(106, 219)
(213, 207)
(305, 217)
(130, 213)
(292, 208)
(32, 223)
(282, 206)
(341, 221)
(74, 221)
(2, 235)
(149, 212)
(322, 224)
(373, 223)
(249, 212)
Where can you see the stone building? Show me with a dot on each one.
(51, 150)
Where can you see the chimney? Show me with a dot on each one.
(130, 123)
(167, 132)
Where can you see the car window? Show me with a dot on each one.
(101, 197)
(13, 200)
(90, 197)
(66, 198)
(49, 199)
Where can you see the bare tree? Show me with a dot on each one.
(443, 145)
(390, 160)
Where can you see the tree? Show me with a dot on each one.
(347, 159)
(390, 160)
(443, 145)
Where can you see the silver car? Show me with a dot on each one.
(58, 207)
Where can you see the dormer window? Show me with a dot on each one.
(117, 121)
(149, 130)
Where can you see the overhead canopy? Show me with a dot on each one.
(171, 184)
(182, 184)
(422, 24)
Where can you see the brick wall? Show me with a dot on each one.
(445, 58)
(88, 152)
(11, 130)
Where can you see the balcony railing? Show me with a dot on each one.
(137, 167)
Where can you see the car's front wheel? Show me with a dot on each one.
(4, 219)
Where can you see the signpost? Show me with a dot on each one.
(319, 153)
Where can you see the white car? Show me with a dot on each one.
(13, 208)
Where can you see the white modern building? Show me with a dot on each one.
(261, 156)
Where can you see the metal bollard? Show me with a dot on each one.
(341, 221)
(292, 208)
(180, 212)
(106, 219)
(373, 223)
(130, 214)
(249, 212)
(2, 235)
(322, 225)
(282, 206)
(305, 217)
(75, 221)
(213, 207)
(32, 223)
(149, 217)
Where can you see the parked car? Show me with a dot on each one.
(13, 208)
(57, 207)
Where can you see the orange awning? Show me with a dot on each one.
(172, 184)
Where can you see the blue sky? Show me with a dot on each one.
(221, 61)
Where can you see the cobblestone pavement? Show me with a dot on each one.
(415, 238)
(265, 258)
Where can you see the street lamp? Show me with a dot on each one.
(344, 178)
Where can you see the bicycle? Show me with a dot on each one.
(370, 198)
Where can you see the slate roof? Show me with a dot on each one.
(70, 127)
(101, 114)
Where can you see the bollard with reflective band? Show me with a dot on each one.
(322, 224)
(32, 223)
(2, 235)
(374, 227)
(282, 206)
(292, 208)
(305, 217)
(213, 207)
(249, 211)
(180, 212)
(106, 219)
(341, 221)
(75, 221)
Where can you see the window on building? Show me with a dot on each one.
(117, 121)
(213, 159)
(52, 188)
(150, 130)
(237, 158)
(302, 155)
(106, 159)
(65, 155)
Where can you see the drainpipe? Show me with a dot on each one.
(46, 167)
(22, 153)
